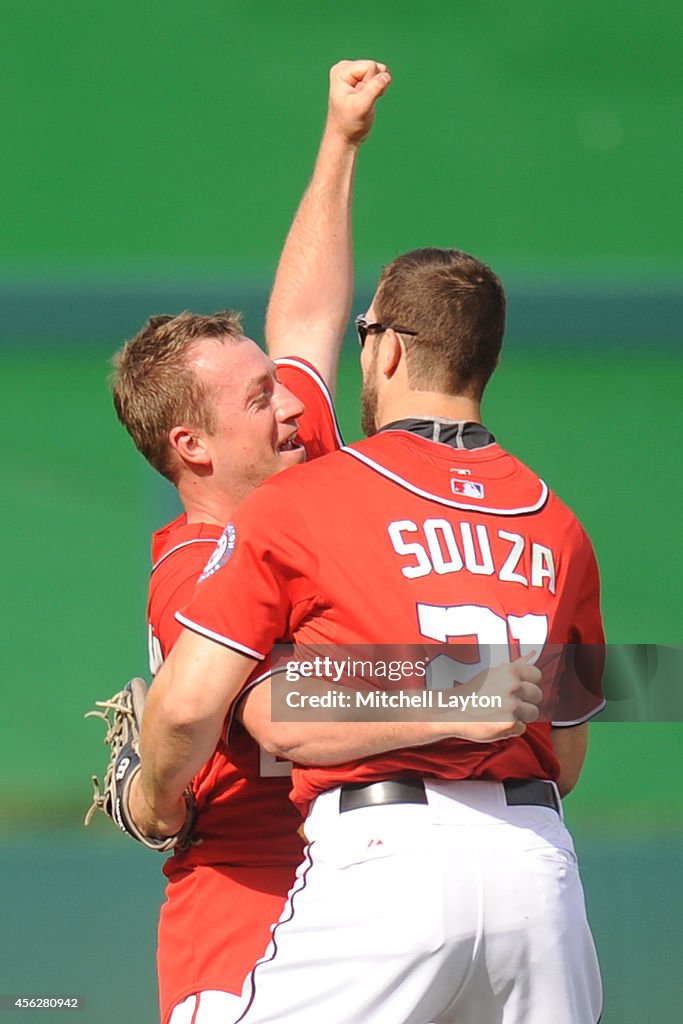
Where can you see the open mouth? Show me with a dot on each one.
(289, 445)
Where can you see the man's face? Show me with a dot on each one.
(256, 415)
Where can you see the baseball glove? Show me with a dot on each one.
(122, 715)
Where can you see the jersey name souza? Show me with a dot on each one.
(436, 545)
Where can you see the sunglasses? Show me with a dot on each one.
(364, 328)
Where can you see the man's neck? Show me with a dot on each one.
(429, 404)
(203, 507)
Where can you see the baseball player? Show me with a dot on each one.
(227, 887)
(439, 883)
(215, 416)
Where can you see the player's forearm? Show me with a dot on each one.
(175, 743)
(172, 752)
(330, 743)
(322, 740)
(326, 741)
(311, 298)
(332, 735)
(184, 716)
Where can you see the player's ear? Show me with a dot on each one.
(391, 353)
(190, 445)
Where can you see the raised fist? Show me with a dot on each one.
(355, 87)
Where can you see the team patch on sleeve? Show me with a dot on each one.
(222, 552)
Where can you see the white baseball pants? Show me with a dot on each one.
(461, 911)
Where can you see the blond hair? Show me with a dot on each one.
(154, 389)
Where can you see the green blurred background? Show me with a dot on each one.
(154, 153)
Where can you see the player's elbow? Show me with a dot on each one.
(256, 714)
(291, 741)
(187, 714)
(281, 739)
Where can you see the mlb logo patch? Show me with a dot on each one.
(466, 488)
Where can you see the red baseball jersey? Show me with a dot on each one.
(225, 891)
(400, 539)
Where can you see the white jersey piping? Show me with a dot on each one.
(579, 721)
(225, 640)
(395, 478)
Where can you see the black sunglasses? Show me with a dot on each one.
(364, 328)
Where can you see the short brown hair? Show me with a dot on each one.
(154, 388)
(456, 306)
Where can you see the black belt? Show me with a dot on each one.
(530, 792)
